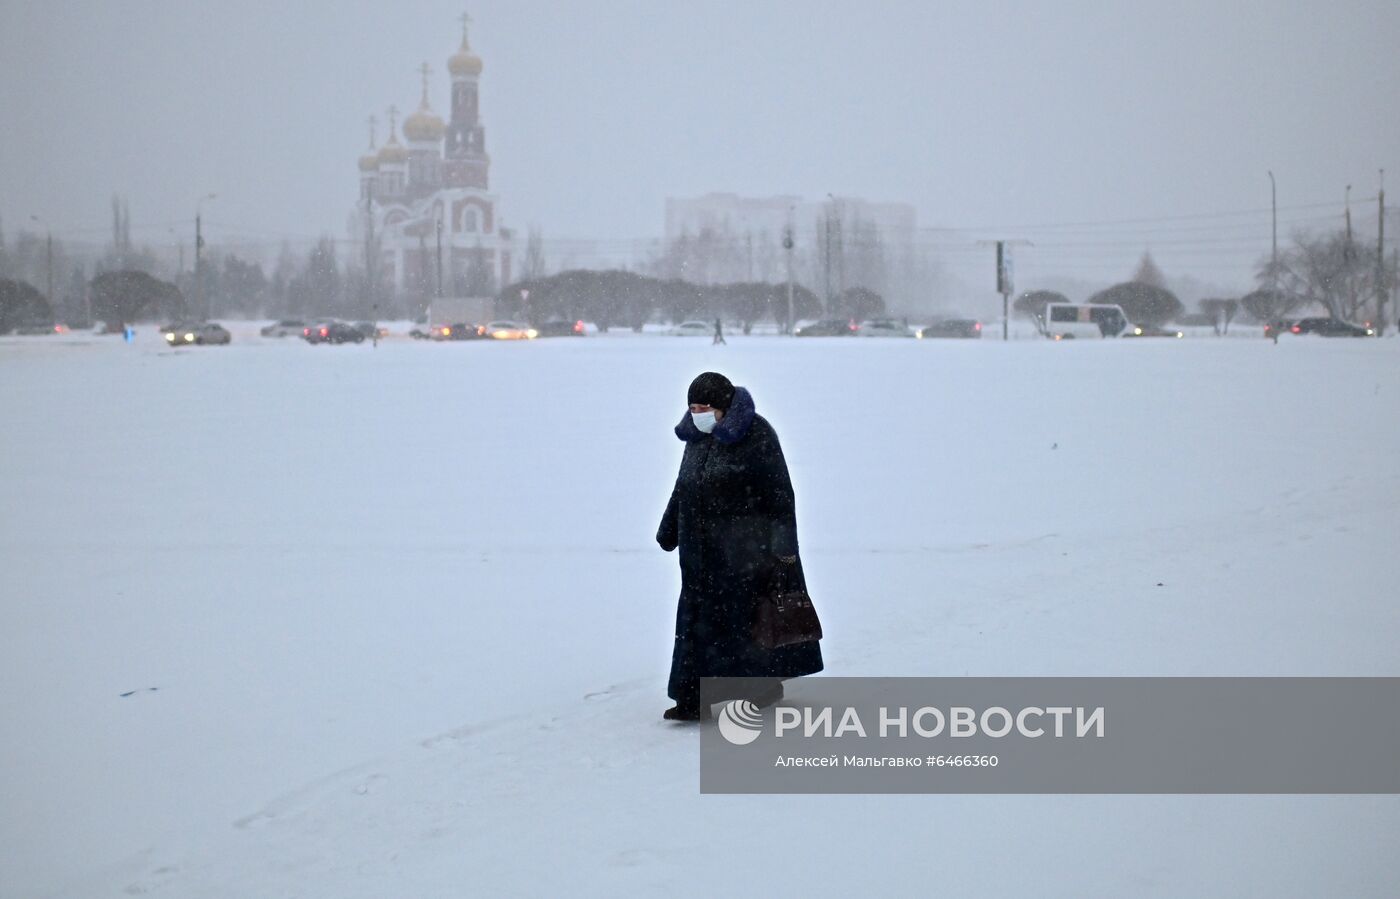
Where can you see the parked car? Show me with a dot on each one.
(961, 328)
(369, 329)
(561, 329)
(1329, 327)
(885, 327)
(693, 329)
(459, 331)
(332, 332)
(287, 327)
(197, 334)
(39, 329)
(1152, 331)
(508, 330)
(829, 327)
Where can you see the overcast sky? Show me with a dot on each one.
(979, 114)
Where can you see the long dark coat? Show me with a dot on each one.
(731, 514)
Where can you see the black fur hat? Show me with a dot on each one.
(711, 389)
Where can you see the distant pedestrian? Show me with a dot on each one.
(719, 334)
(732, 515)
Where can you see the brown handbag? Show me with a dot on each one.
(785, 615)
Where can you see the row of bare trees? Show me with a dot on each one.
(1329, 271)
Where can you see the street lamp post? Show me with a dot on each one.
(198, 252)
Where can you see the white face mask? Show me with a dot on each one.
(704, 421)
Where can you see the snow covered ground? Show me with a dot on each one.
(281, 620)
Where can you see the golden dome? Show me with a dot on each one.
(369, 162)
(392, 153)
(464, 61)
(423, 125)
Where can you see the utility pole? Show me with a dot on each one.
(369, 252)
(1348, 220)
(840, 251)
(439, 257)
(826, 238)
(1273, 266)
(1349, 255)
(1004, 287)
(423, 283)
(787, 247)
(198, 253)
(1380, 262)
(48, 257)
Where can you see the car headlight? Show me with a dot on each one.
(170, 336)
(532, 334)
(189, 338)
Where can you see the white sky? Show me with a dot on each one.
(979, 114)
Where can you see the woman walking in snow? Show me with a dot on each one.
(733, 518)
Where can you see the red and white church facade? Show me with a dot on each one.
(425, 203)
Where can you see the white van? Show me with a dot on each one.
(1067, 321)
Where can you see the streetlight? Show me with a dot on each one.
(198, 247)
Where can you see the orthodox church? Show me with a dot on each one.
(425, 211)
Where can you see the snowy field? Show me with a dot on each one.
(281, 620)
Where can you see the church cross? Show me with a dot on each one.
(425, 71)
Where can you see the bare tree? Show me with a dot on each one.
(1333, 271)
(1221, 311)
(1269, 305)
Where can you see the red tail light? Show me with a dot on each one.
(305, 332)
(325, 332)
(1296, 329)
(578, 327)
(977, 326)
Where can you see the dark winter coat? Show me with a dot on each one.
(731, 515)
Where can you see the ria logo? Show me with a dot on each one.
(740, 722)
